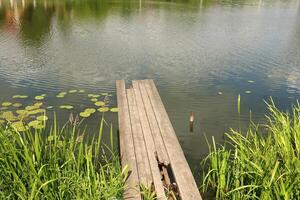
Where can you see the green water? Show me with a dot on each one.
(201, 55)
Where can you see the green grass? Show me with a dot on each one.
(263, 163)
(55, 163)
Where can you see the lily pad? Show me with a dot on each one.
(94, 99)
(8, 115)
(22, 112)
(248, 92)
(42, 118)
(104, 93)
(43, 95)
(90, 110)
(30, 107)
(34, 112)
(72, 91)
(251, 81)
(5, 104)
(85, 114)
(103, 109)
(38, 104)
(114, 110)
(99, 103)
(19, 126)
(61, 95)
(49, 107)
(94, 95)
(81, 91)
(20, 97)
(39, 97)
(17, 105)
(68, 107)
(36, 124)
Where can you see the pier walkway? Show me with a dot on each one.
(149, 146)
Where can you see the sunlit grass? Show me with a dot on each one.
(263, 163)
(58, 163)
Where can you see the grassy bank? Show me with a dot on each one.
(55, 163)
(263, 163)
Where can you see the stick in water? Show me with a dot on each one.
(192, 119)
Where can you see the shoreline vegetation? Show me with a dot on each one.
(263, 163)
(58, 163)
(62, 163)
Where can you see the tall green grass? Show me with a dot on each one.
(263, 163)
(55, 163)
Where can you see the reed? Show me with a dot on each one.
(263, 163)
(55, 163)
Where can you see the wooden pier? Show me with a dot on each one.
(149, 146)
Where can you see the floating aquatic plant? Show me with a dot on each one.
(39, 97)
(61, 95)
(99, 103)
(42, 118)
(85, 114)
(21, 112)
(5, 104)
(34, 112)
(8, 115)
(36, 124)
(17, 105)
(72, 91)
(114, 110)
(38, 104)
(90, 110)
(49, 107)
(251, 81)
(68, 107)
(30, 107)
(94, 99)
(103, 109)
(248, 92)
(81, 91)
(93, 95)
(43, 95)
(19, 126)
(20, 97)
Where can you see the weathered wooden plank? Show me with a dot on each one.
(149, 142)
(132, 191)
(138, 140)
(158, 140)
(184, 178)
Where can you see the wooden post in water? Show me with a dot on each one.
(192, 119)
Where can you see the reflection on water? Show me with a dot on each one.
(201, 54)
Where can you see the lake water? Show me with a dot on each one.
(201, 54)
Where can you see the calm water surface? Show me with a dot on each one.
(201, 54)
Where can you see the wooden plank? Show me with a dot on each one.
(188, 189)
(149, 142)
(158, 140)
(141, 154)
(132, 191)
